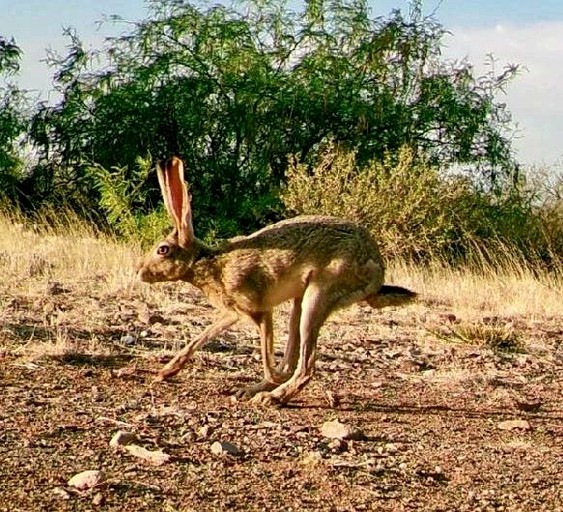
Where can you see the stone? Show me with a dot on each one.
(98, 499)
(204, 432)
(128, 339)
(123, 438)
(224, 447)
(156, 458)
(86, 480)
(514, 425)
(61, 493)
(336, 430)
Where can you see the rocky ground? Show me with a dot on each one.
(437, 413)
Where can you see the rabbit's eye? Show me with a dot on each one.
(163, 250)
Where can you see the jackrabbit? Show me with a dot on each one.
(321, 263)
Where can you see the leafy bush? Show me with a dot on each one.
(415, 210)
(124, 203)
(13, 122)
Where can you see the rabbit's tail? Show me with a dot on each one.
(389, 295)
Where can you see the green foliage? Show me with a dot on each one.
(12, 120)
(122, 200)
(10, 55)
(416, 211)
(233, 92)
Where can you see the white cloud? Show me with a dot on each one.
(536, 96)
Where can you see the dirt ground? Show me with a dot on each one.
(432, 407)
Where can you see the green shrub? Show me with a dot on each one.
(416, 211)
(122, 200)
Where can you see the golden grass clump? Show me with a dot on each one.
(60, 247)
(510, 290)
(62, 283)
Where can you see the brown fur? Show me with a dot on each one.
(321, 263)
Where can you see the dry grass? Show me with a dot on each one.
(55, 281)
(40, 264)
(71, 251)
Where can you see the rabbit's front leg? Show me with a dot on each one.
(181, 358)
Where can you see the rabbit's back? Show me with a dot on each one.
(277, 262)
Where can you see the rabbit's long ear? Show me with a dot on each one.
(176, 198)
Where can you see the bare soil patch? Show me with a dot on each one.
(76, 368)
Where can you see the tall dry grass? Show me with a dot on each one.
(71, 251)
(514, 289)
(61, 283)
(101, 296)
(58, 246)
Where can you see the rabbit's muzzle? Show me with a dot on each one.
(143, 273)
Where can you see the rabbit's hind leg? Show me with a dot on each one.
(273, 377)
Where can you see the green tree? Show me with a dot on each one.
(12, 119)
(235, 90)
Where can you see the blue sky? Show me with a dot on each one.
(525, 32)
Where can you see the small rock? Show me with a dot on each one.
(514, 425)
(157, 458)
(337, 445)
(224, 447)
(61, 493)
(98, 499)
(268, 425)
(336, 430)
(128, 339)
(122, 438)
(391, 448)
(204, 432)
(86, 480)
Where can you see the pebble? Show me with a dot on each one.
(86, 480)
(204, 432)
(157, 458)
(336, 430)
(123, 438)
(337, 445)
(61, 493)
(224, 447)
(514, 425)
(128, 339)
(98, 499)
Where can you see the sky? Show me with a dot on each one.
(514, 31)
